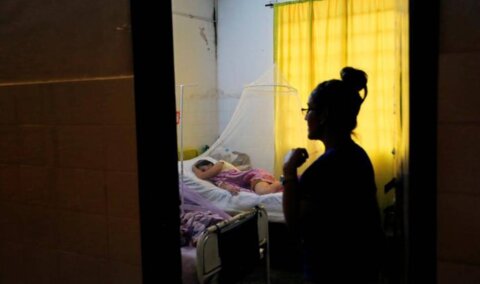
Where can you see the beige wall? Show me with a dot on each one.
(458, 143)
(195, 55)
(68, 173)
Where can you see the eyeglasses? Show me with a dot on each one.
(305, 111)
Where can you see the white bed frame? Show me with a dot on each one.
(209, 262)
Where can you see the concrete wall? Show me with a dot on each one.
(196, 63)
(458, 140)
(245, 49)
(68, 168)
(219, 60)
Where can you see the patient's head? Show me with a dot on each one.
(203, 165)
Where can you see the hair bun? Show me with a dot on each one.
(356, 78)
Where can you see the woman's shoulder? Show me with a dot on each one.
(349, 151)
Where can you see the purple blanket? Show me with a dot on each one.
(197, 215)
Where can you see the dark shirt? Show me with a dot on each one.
(341, 231)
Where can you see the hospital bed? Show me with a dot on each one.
(224, 200)
(228, 251)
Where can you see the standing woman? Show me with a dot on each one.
(333, 205)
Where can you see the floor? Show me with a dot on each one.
(285, 264)
(276, 277)
(286, 267)
(287, 277)
(288, 271)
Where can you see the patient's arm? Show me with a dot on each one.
(230, 187)
(211, 172)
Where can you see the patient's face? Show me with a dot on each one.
(205, 167)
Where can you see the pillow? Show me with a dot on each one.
(228, 166)
(238, 159)
(242, 161)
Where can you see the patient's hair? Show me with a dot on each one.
(202, 163)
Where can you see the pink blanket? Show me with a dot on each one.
(242, 180)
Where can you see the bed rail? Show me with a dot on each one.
(232, 248)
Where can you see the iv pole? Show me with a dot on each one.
(182, 87)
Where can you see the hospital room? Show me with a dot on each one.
(239, 141)
(244, 70)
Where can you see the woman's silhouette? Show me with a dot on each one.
(333, 204)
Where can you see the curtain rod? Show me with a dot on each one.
(272, 3)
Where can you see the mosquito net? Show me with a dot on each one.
(266, 123)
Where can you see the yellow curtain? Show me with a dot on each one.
(313, 40)
(290, 127)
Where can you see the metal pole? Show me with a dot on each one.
(182, 87)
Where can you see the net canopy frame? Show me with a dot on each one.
(266, 124)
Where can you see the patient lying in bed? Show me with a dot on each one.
(234, 180)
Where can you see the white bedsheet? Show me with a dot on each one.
(228, 202)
